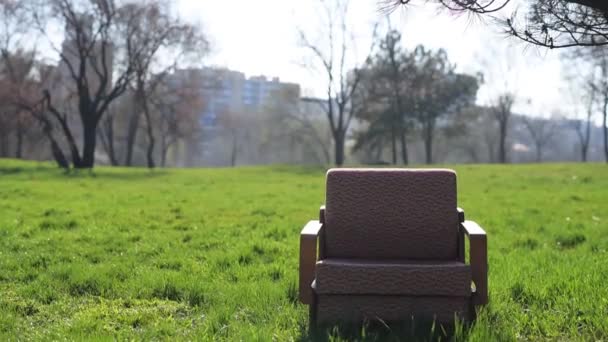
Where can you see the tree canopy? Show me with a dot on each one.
(547, 23)
(411, 89)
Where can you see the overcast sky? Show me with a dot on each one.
(260, 37)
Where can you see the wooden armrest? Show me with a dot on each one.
(322, 214)
(472, 229)
(478, 254)
(308, 258)
(460, 214)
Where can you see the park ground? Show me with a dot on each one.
(212, 254)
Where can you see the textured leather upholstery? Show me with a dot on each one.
(373, 277)
(391, 214)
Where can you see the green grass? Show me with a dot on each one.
(211, 254)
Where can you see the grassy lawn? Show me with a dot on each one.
(208, 254)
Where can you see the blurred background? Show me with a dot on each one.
(161, 83)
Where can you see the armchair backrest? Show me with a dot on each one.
(391, 214)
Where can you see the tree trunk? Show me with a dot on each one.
(88, 147)
(107, 138)
(164, 146)
(163, 157)
(19, 133)
(234, 150)
(472, 151)
(394, 145)
(76, 159)
(584, 153)
(89, 125)
(539, 153)
(587, 138)
(107, 141)
(428, 149)
(143, 101)
(404, 154)
(131, 135)
(58, 155)
(150, 150)
(3, 145)
(502, 148)
(585, 147)
(112, 151)
(428, 142)
(379, 150)
(151, 141)
(339, 148)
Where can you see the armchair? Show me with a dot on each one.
(389, 244)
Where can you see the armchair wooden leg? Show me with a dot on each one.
(312, 314)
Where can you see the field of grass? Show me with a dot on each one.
(211, 254)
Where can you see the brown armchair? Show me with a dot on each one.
(391, 246)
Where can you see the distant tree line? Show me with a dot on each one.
(396, 95)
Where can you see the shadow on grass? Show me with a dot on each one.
(10, 170)
(381, 331)
(49, 171)
(118, 174)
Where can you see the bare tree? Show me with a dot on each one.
(23, 79)
(17, 64)
(17, 99)
(583, 127)
(541, 131)
(26, 99)
(604, 99)
(177, 108)
(107, 136)
(298, 124)
(599, 61)
(103, 44)
(582, 96)
(501, 110)
(176, 41)
(489, 137)
(467, 131)
(332, 56)
(133, 126)
(235, 134)
(87, 56)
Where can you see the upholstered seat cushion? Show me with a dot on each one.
(392, 277)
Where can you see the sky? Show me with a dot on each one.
(261, 38)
